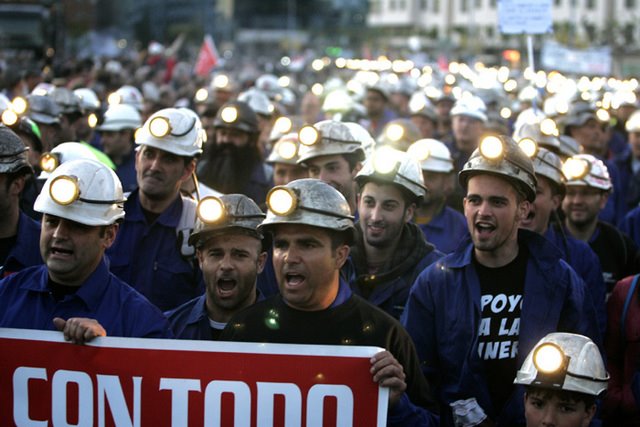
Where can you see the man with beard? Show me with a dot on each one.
(229, 251)
(588, 187)
(477, 312)
(151, 252)
(333, 153)
(442, 226)
(390, 250)
(232, 163)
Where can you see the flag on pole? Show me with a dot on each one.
(207, 57)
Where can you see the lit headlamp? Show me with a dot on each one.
(211, 210)
(229, 114)
(114, 99)
(491, 148)
(394, 132)
(574, 169)
(419, 150)
(201, 95)
(283, 125)
(159, 127)
(220, 81)
(49, 162)
(308, 135)
(287, 149)
(64, 190)
(551, 363)
(603, 115)
(92, 120)
(9, 117)
(19, 105)
(385, 161)
(529, 147)
(282, 201)
(548, 127)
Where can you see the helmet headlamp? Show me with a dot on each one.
(9, 117)
(575, 168)
(385, 161)
(64, 190)
(160, 127)
(19, 105)
(49, 162)
(287, 149)
(548, 127)
(308, 135)
(201, 95)
(603, 115)
(92, 120)
(229, 114)
(419, 150)
(491, 148)
(282, 201)
(549, 359)
(211, 210)
(394, 132)
(114, 99)
(529, 146)
(283, 125)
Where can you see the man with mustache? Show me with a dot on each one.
(390, 250)
(151, 252)
(229, 251)
(312, 229)
(74, 291)
(233, 162)
(477, 312)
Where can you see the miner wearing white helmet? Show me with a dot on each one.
(442, 226)
(74, 292)
(284, 159)
(588, 187)
(477, 312)
(389, 249)
(333, 153)
(563, 376)
(18, 232)
(116, 131)
(152, 252)
(312, 228)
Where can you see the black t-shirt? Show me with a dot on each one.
(501, 304)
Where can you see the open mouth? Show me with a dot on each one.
(226, 286)
(293, 279)
(484, 228)
(55, 250)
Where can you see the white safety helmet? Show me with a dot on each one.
(544, 132)
(308, 201)
(399, 134)
(229, 212)
(269, 84)
(258, 101)
(587, 170)
(88, 99)
(500, 155)
(173, 130)
(360, 133)
(285, 150)
(84, 191)
(565, 361)
(63, 153)
(119, 117)
(328, 137)
(471, 106)
(127, 95)
(568, 146)
(390, 166)
(433, 155)
(549, 165)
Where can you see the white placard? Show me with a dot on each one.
(524, 16)
(594, 61)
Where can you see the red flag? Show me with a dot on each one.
(207, 57)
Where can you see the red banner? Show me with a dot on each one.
(207, 57)
(151, 382)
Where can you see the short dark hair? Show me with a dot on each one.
(352, 159)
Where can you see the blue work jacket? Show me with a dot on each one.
(26, 303)
(26, 251)
(446, 230)
(443, 315)
(148, 257)
(190, 321)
